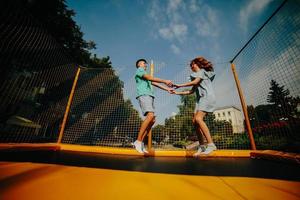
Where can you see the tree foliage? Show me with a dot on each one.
(57, 18)
(180, 127)
(282, 106)
(276, 125)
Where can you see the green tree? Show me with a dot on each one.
(57, 18)
(281, 101)
(180, 129)
(160, 134)
(263, 113)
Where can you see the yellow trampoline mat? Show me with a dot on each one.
(24, 180)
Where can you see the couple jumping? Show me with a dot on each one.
(201, 81)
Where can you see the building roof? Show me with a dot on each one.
(226, 107)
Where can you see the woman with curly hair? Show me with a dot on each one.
(201, 81)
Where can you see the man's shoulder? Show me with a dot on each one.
(140, 72)
(140, 69)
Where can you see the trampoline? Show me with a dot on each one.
(78, 175)
(66, 130)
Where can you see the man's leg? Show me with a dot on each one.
(146, 124)
(151, 116)
(143, 131)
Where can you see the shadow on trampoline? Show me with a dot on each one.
(234, 167)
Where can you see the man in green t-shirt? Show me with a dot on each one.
(145, 97)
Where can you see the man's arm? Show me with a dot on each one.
(170, 90)
(157, 80)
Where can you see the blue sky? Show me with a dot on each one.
(171, 32)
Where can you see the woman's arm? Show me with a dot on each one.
(186, 92)
(196, 81)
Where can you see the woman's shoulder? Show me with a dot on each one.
(210, 75)
(198, 74)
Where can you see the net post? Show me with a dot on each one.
(244, 107)
(150, 131)
(63, 124)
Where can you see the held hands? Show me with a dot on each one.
(171, 90)
(172, 87)
(176, 86)
(169, 83)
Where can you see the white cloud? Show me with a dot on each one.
(173, 5)
(208, 23)
(176, 31)
(194, 6)
(179, 30)
(170, 24)
(175, 49)
(180, 21)
(166, 33)
(155, 12)
(253, 8)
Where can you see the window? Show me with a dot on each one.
(229, 114)
(219, 115)
(224, 114)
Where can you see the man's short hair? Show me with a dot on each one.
(137, 62)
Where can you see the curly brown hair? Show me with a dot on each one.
(202, 63)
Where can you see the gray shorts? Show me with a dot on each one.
(205, 105)
(146, 103)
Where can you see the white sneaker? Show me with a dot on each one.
(138, 146)
(200, 150)
(143, 148)
(209, 149)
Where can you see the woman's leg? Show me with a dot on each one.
(199, 116)
(201, 125)
(198, 131)
(200, 137)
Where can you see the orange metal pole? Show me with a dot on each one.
(150, 132)
(63, 124)
(242, 99)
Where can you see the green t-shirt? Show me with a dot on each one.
(143, 86)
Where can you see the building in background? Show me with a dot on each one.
(233, 115)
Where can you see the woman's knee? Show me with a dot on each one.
(198, 120)
(194, 120)
(151, 116)
(153, 119)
